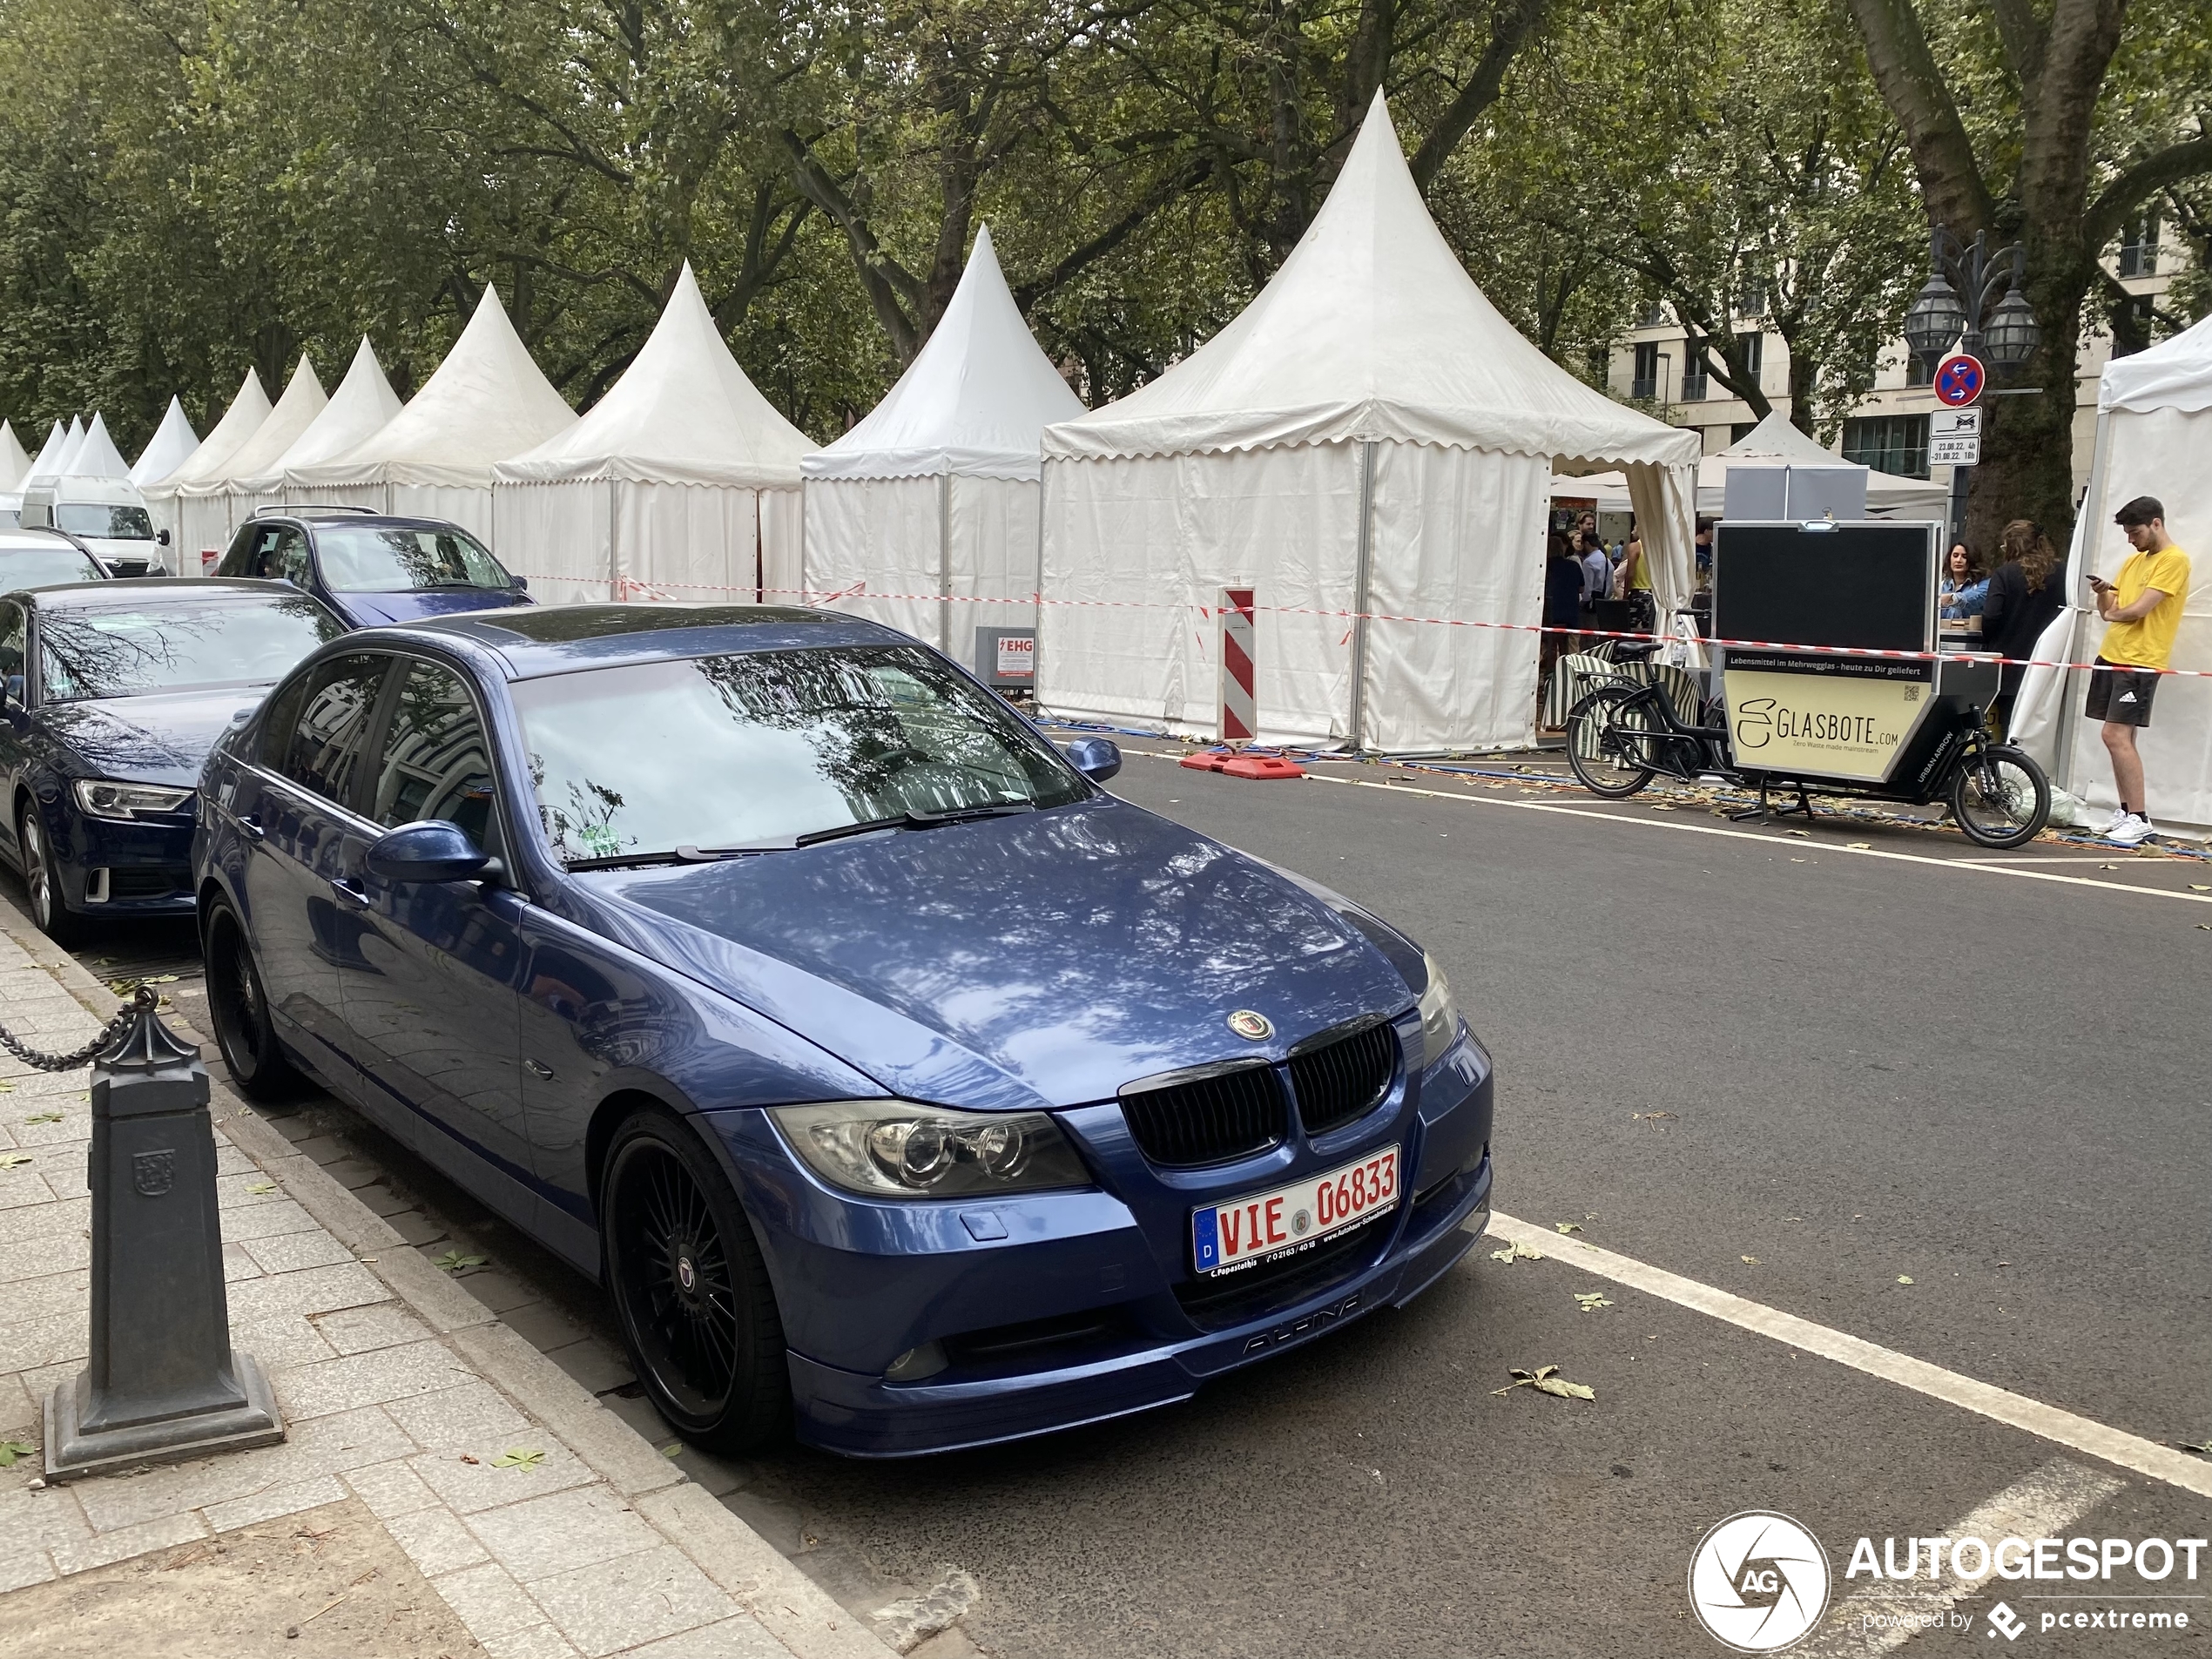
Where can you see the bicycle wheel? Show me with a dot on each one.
(2000, 797)
(1603, 745)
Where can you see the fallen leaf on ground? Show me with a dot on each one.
(11, 1450)
(465, 1458)
(1903, 1279)
(1567, 1226)
(1648, 1117)
(260, 1187)
(44, 1117)
(1750, 1261)
(1801, 835)
(1797, 860)
(453, 1261)
(9, 1160)
(1591, 1301)
(2199, 1451)
(2199, 886)
(518, 1457)
(1860, 847)
(1516, 1252)
(1546, 1380)
(674, 1448)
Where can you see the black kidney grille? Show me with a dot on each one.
(1342, 1079)
(1206, 1118)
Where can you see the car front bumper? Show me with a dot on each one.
(1086, 1308)
(122, 867)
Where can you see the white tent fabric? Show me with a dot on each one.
(209, 463)
(1368, 436)
(49, 460)
(361, 406)
(681, 483)
(486, 403)
(72, 441)
(172, 445)
(935, 495)
(2154, 432)
(1773, 441)
(97, 456)
(15, 466)
(211, 503)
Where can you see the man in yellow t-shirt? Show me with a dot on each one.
(2143, 606)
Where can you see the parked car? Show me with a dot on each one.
(113, 693)
(44, 558)
(894, 1077)
(108, 515)
(370, 567)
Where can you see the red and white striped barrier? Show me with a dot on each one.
(1239, 710)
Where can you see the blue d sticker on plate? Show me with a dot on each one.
(1206, 1239)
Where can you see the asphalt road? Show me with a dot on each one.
(1854, 1068)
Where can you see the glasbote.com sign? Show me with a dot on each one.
(1823, 716)
(1759, 1582)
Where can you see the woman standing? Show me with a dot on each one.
(1963, 587)
(2023, 597)
(1635, 586)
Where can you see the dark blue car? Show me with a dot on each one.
(893, 1076)
(370, 567)
(114, 692)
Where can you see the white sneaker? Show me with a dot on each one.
(2106, 825)
(2132, 830)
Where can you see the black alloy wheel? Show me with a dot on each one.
(2000, 797)
(42, 882)
(697, 1308)
(240, 1008)
(1605, 746)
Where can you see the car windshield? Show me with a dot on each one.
(755, 750)
(103, 523)
(367, 558)
(179, 644)
(39, 567)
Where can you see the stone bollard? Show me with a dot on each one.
(164, 1383)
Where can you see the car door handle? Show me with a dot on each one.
(350, 891)
(538, 1068)
(249, 825)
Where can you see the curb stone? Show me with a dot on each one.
(737, 1559)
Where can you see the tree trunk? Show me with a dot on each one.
(2027, 468)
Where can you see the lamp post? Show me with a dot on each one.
(1985, 312)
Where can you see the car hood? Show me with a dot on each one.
(161, 738)
(374, 609)
(1046, 958)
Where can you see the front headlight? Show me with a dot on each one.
(896, 1148)
(1439, 1018)
(126, 801)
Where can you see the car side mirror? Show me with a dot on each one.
(432, 850)
(1098, 758)
(161, 538)
(521, 583)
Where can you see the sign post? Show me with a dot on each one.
(1239, 710)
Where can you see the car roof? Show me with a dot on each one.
(85, 596)
(534, 640)
(33, 539)
(326, 517)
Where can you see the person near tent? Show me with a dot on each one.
(1964, 589)
(1563, 584)
(2143, 610)
(2022, 598)
(1636, 584)
(1704, 549)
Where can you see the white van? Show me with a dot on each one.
(108, 515)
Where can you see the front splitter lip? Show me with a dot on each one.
(862, 1416)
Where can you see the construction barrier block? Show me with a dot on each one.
(1207, 762)
(1259, 766)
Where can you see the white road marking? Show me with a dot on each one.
(2044, 1505)
(2049, 1422)
(1486, 799)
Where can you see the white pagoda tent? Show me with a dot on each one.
(96, 456)
(172, 445)
(49, 456)
(933, 499)
(213, 504)
(2154, 432)
(487, 402)
(208, 463)
(360, 407)
(681, 483)
(15, 465)
(73, 440)
(1368, 438)
(1773, 441)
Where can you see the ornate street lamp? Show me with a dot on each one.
(1964, 282)
(2012, 335)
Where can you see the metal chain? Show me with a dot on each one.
(142, 998)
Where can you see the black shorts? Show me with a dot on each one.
(2119, 694)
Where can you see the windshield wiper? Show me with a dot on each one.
(690, 854)
(621, 861)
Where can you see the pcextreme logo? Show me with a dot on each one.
(1759, 1581)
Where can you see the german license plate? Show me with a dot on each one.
(1270, 1226)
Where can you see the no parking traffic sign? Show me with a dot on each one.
(1958, 380)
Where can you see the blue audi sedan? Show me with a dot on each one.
(899, 1084)
(371, 567)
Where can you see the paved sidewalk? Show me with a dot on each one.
(546, 1524)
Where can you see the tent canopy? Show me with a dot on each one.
(683, 413)
(976, 401)
(1373, 329)
(97, 456)
(50, 454)
(2176, 374)
(294, 413)
(361, 406)
(1774, 441)
(486, 402)
(15, 466)
(73, 440)
(172, 445)
(210, 463)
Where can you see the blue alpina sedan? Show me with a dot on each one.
(896, 1080)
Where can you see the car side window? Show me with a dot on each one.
(287, 560)
(249, 551)
(436, 763)
(11, 651)
(324, 752)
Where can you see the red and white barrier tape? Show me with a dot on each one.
(634, 588)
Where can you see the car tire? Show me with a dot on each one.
(690, 1288)
(239, 1009)
(43, 883)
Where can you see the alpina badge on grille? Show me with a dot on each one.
(1247, 1023)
